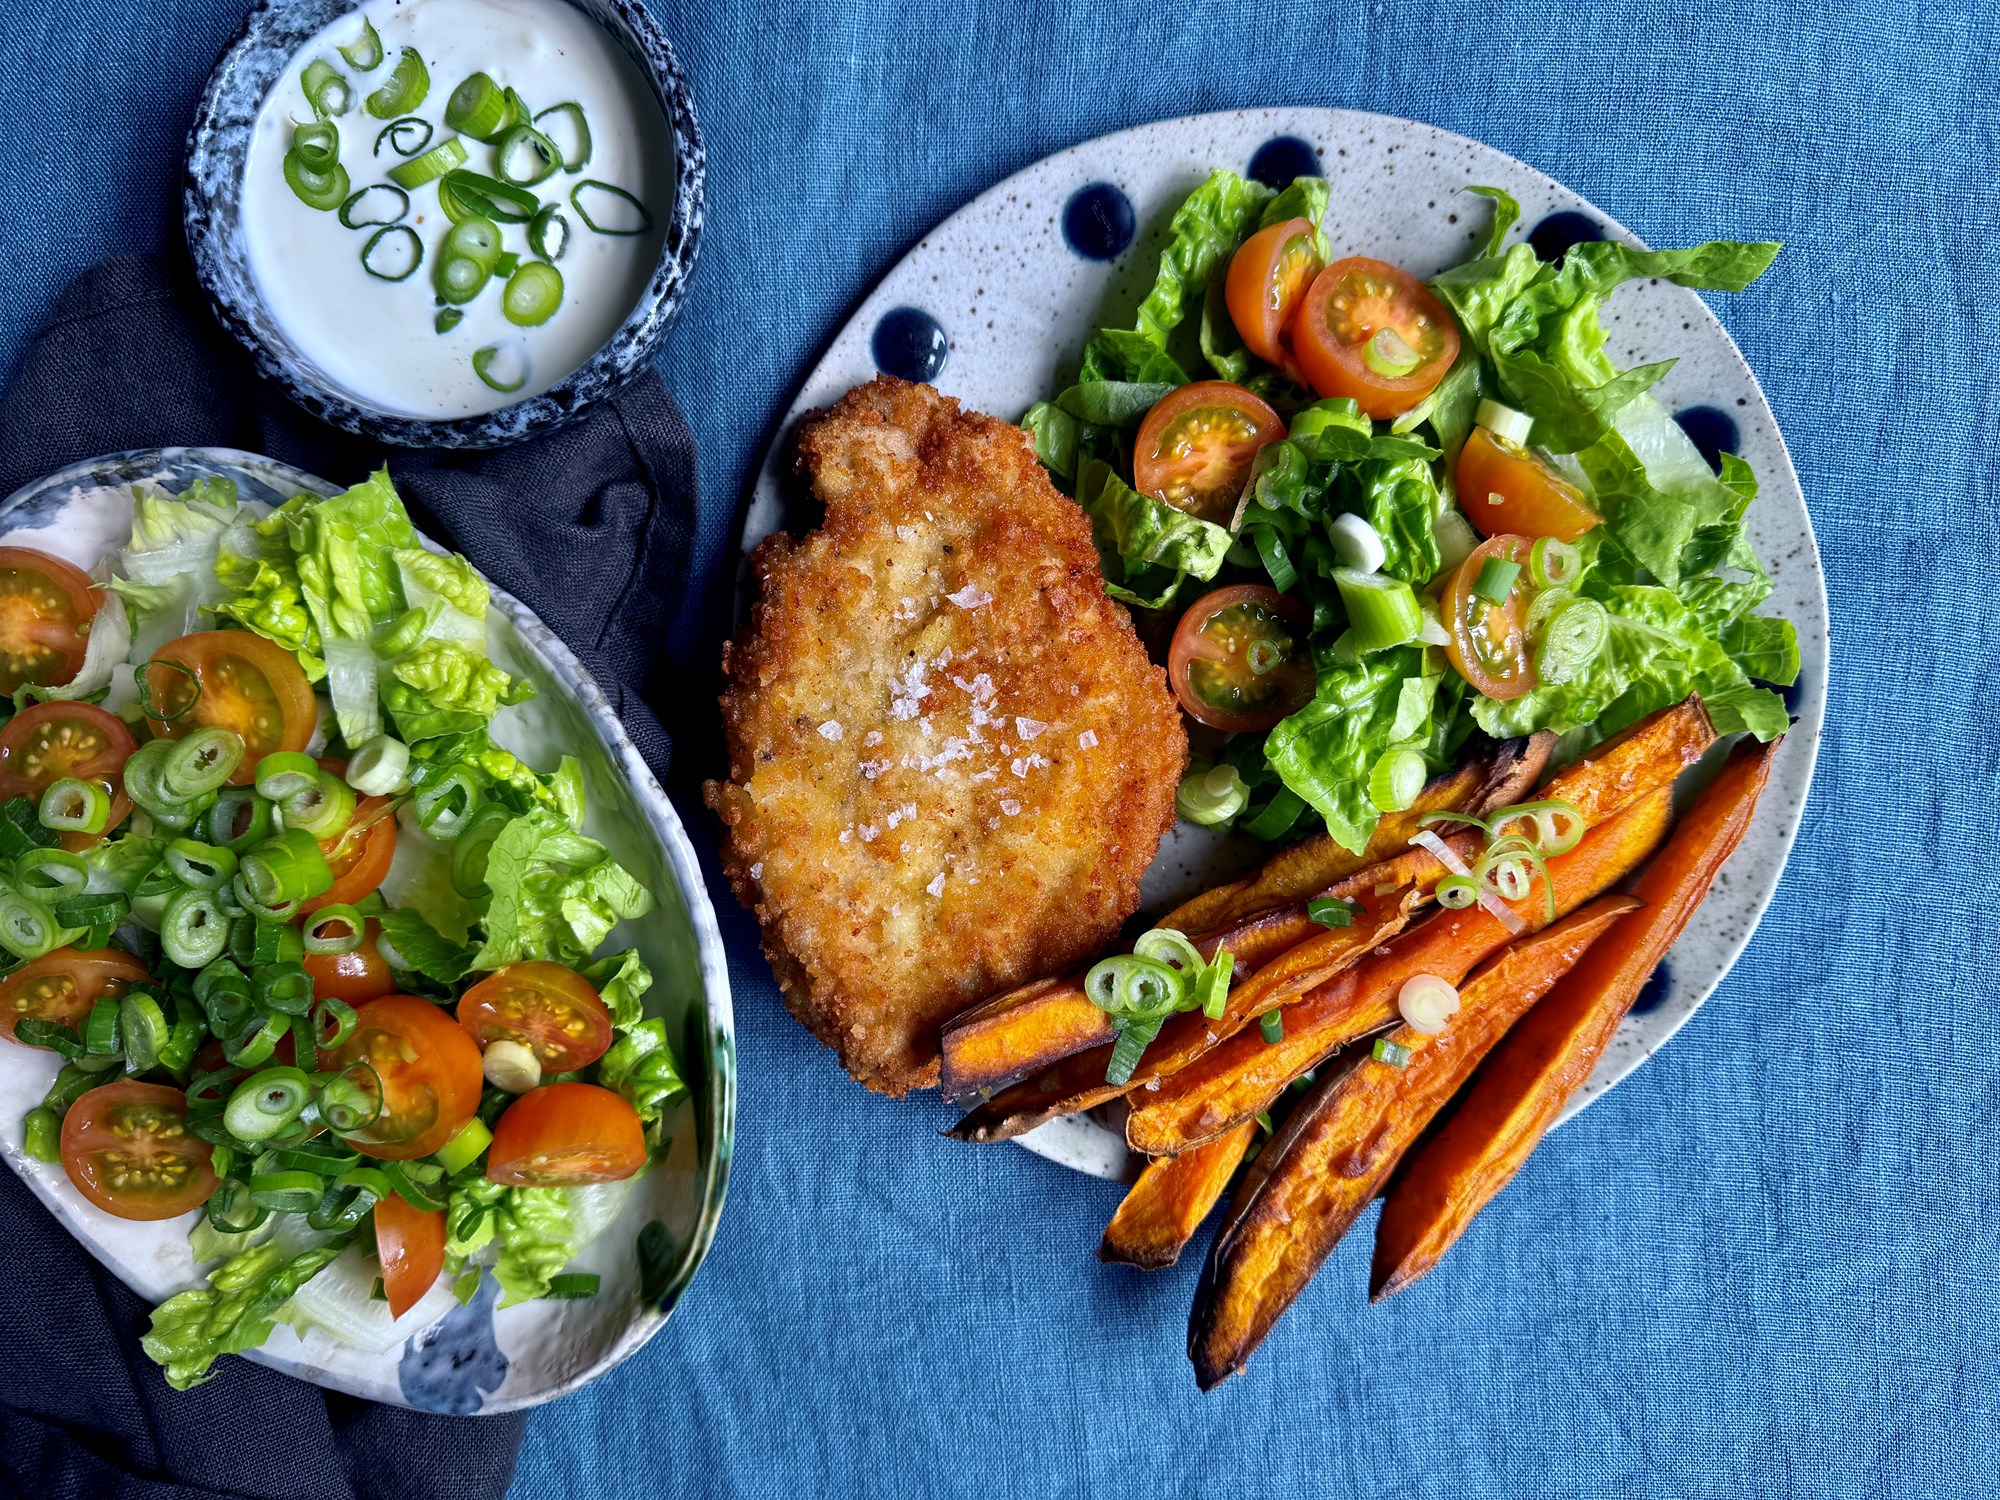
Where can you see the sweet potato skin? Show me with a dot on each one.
(1169, 1201)
(1346, 1138)
(1550, 1054)
(1233, 1081)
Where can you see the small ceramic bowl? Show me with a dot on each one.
(219, 144)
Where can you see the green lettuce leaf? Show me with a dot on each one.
(1400, 500)
(423, 948)
(453, 678)
(262, 594)
(556, 894)
(640, 1066)
(1056, 434)
(236, 1310)
(1505, 211)
(1143, 541)
(537, 1237)
(1202, 236)
(622, 979)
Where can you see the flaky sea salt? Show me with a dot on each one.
(831, 730)
(972, 596)
(1027, 729)
(1010, 807)
(936, 887)
(1087, 740)
(757, 870)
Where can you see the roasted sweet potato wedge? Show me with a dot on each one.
(1077, 1083)
(1235, 1079)
(1547, 1057)
(1347, 1136)
(1306, 869)
(1169, 1201)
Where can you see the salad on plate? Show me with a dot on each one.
(322, 959)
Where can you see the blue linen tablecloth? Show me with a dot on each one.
(1763, 1265)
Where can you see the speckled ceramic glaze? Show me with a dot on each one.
(219, 144)
(995, 304)
(476, 1359)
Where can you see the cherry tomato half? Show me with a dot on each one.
(46, 606)
(1487, 644)
(1239, 659)
(62, 985)
(127, 1149)
(43, 744)
(247, 684)
(1195, 448)
(1268, 278)
(361, 854)
(564, 1135)
(1375, 334)
(358, 975)
(430, 1072)
(411, 1244)
(1504, 489)
(553, 1011)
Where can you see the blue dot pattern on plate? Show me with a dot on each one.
(1655, 994)
(909, 343)
(1282, 158)
(1559, 231)
(1793, 693)
(448, 1368)
(1098, 222)
(1714, 432)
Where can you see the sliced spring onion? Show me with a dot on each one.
(199, 866)
(1211, 990)
(333, 1022)
(283, 869)
(285, 1192)
(1356, 544)
(447, 319)
(231, 1210)
(378, 768)
(472, 848)
(364, 53)
(283, 988)
(475, 195)
(466, 259)
(74, 806)
(334, 929)
(1395, 1054)
(564, 125)
(51, 875)
(1505, 423)
(286, 773)
(1165, 945)
(419, 1184)
(405, 137)
(1128, 986)
(252, 1046)
(1210, 795)
(494, 363)
(465, 1147)
(407, 87)
(142, 1031)
(1381, 611)
(1570, 639)
(1272, 1024)
(239, 819)
(1553, 564)
(94, 909)
(341, 1208)
(322, 190)
(326, 90)
(459, 280)
(622, 214)
(41, 1135)
(1427, 1002)
(1456, 892)
(317, 144)
(392, 253)
(201, 762)
(27, 927)
(1396, 780)
(1559, 825)
(548, 233)
(378, 203)
(1445, 855)
(1496, 580)
(194, 931)
(352, 1099)
(446, 156)
(1388, 353)
(150, 698)
(524, 156)
(100, 1029)
(1331, 911)
(480, 108)
(532, 295)
(1134, 1037)
(1277, 817)
(506, 265)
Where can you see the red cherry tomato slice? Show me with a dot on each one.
(1195, 448)
(46, 606)
(564, 1135)
(1239, 660)
(50, 741)
(1268, 278)
(247, 684)
(1374, 334)
(1487, 644)
(361, 854)
(356, 976)
(126, 1147)
(62, 986)
(1503, 489)
(410, 1242)
(430, 1072)
(553, 1011)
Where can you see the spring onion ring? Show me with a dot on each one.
(321, 190)
(407, 87)
(1553, 564)
(199, 866)
(352, 1099)
(575, 156)
(399, 131)
(286, 773)
(619, 195)
(393, 253)
(317, 143)
(142, 1031)
(447, 319)
(334, 929)
(74, 806)
(532, 294)
(378, 203)
(364, 53)
(446, 156)
(194, 931)
(548, 233)
(49, 875)
(326, 91)
(482, 366)
(323, 809)
(480, 108)
(201, 762)
(380, 767)
(465, 194)
(525, 157)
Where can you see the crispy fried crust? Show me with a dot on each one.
(950, 759)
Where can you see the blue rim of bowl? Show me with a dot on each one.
(624, 355)
(718, 1011)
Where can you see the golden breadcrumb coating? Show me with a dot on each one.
(950, 759)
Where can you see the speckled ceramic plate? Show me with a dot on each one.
(994, 305)
(442, 1357)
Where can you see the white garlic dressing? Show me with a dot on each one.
(377, 339)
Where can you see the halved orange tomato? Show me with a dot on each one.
(1195, 448)
(1487, 643)
(1504, 489)
(46, 606)
(1268, 278)
(239, 681)
(1375, 334)
(1239, 660)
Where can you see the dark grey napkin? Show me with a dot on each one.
(592, 528)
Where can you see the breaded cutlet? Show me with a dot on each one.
(950, 758)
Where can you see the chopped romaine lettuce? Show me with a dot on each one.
(1141, 539)
(556, 894)
(640, 1066)
(236, 1310)
(422, 948)
(621, 979)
